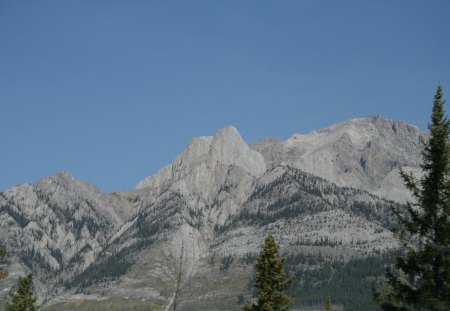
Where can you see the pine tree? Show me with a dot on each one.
(328, 304)
(270, 281)
(22, 299)
(2, 254)
(421, 279)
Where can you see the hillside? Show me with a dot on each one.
(190, 233)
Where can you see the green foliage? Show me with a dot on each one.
(2, 254)
(328, 304)
(226, 262)
(23, 299)
(17, 216)
(296, 194)
(421, 279)
(146, 229)
(375, 212)
(56, 253)
(88, 222)
(2, 250)
(270, 281)
(241, 299)
(350, 283)
(109, 268)
(110, 304)
(248, 258)
(32, 257)
(79, 256)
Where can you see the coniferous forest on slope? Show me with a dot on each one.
(350, 284)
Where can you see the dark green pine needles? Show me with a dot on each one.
(328, 304)
(270, 281)
(2, 254)
(421, 279)
(23, 299)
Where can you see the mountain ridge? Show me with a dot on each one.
(216, 201)
(326, 153)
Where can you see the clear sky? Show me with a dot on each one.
(111, 91)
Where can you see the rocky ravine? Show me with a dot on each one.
(161, 243)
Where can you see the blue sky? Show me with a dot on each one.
(112, 91)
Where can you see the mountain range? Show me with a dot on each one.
(186, 238)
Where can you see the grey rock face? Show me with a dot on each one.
(58, 226)
(205, 167)
(359, 153)
(219, 198)
(226, 148)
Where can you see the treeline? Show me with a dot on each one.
(350, 283)
(106, 270)
(276, 200)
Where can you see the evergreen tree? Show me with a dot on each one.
(270, 281)
(2, 250)
(328, 304)
(2, 254)
(23, 299)
(421, 279)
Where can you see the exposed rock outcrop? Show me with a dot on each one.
(359, 153)
(216, 201)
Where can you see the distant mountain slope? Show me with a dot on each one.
(58, 226)
(359, 153)
(204, 217)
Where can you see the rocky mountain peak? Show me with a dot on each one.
(360, 131)
(229, 148)
(205, 153)
(362, 153)
(229, 131)
(203, 216)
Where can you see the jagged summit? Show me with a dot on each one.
(203, 216)
(361, 153)
(369, 126)
(64, 179)
(229, 148)
(65, 175)
(203, 154)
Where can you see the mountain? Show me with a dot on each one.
(58, 225)
(188, 235)
(360, 153)
(207, 165)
